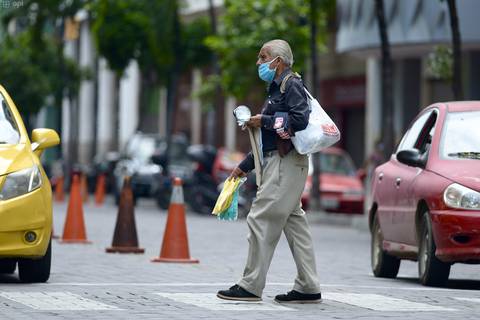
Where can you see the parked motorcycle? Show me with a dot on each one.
(201, 190)
(177, 166)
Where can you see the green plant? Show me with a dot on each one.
(440, 63)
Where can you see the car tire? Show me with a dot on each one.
(431, 271)
(7, 266)
(36, 270)
(383, 264)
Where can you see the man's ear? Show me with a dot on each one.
(278, 61)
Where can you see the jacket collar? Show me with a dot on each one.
(282, 76)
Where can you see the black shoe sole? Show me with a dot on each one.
(299, 301)
(252, 299)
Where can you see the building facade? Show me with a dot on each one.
(415, 28)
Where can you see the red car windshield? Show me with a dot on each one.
(460, 136)
(9, 133)
(336, 164)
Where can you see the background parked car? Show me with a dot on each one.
(341, 189)
(426, 198)
(135, 161)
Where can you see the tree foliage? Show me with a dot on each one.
(440, 63)
(119, 30)
(144, 30)
(196, 52)
(33, 66)
(246, 25)
(24, 80)
(31, 76)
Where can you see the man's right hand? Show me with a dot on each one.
(237, 173)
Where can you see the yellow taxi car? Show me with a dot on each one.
(25, 196)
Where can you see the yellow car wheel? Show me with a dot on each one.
(8, 266)
(36, 270)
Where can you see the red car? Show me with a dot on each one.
(426, 199)
(341, 189)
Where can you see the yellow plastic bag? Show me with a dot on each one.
(226, 196)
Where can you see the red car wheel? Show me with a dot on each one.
(431, 271)
(383, 264)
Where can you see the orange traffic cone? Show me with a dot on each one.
(59, 192)
(175, 240)
(125, 235)
(74, 229)
(84, 187)
(100, 190)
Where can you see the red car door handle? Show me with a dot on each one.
(398, 181)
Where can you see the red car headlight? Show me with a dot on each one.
(461, 197)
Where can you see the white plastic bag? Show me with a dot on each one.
(320, 133)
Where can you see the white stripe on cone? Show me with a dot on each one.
(177, 195)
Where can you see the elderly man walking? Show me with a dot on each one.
(277, 206)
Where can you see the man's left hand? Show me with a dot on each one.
(283, 134)
(255, 121)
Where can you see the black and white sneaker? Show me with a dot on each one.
(237, 293)
(298, 297)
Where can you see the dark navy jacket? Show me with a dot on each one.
(292, 103)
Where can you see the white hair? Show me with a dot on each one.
(280, 48)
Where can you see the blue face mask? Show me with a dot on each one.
(264, 71)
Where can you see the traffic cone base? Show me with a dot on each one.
(82, 241)
(171, 260)
(125, 250)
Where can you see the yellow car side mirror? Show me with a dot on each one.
(44, 138)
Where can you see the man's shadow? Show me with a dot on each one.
(459, 284)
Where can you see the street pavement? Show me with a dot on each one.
(87, 283)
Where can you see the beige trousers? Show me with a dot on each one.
(277, 207)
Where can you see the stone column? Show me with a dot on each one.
(129, 103)
(230, 124)
(373, 119)
(86, 124)
(67, 125)
(373, 116)
(106, 92)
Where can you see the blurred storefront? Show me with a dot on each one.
(415, 27)
(344, 100)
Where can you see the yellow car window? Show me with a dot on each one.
(9, 133)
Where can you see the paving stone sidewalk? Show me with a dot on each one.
(87, 283)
